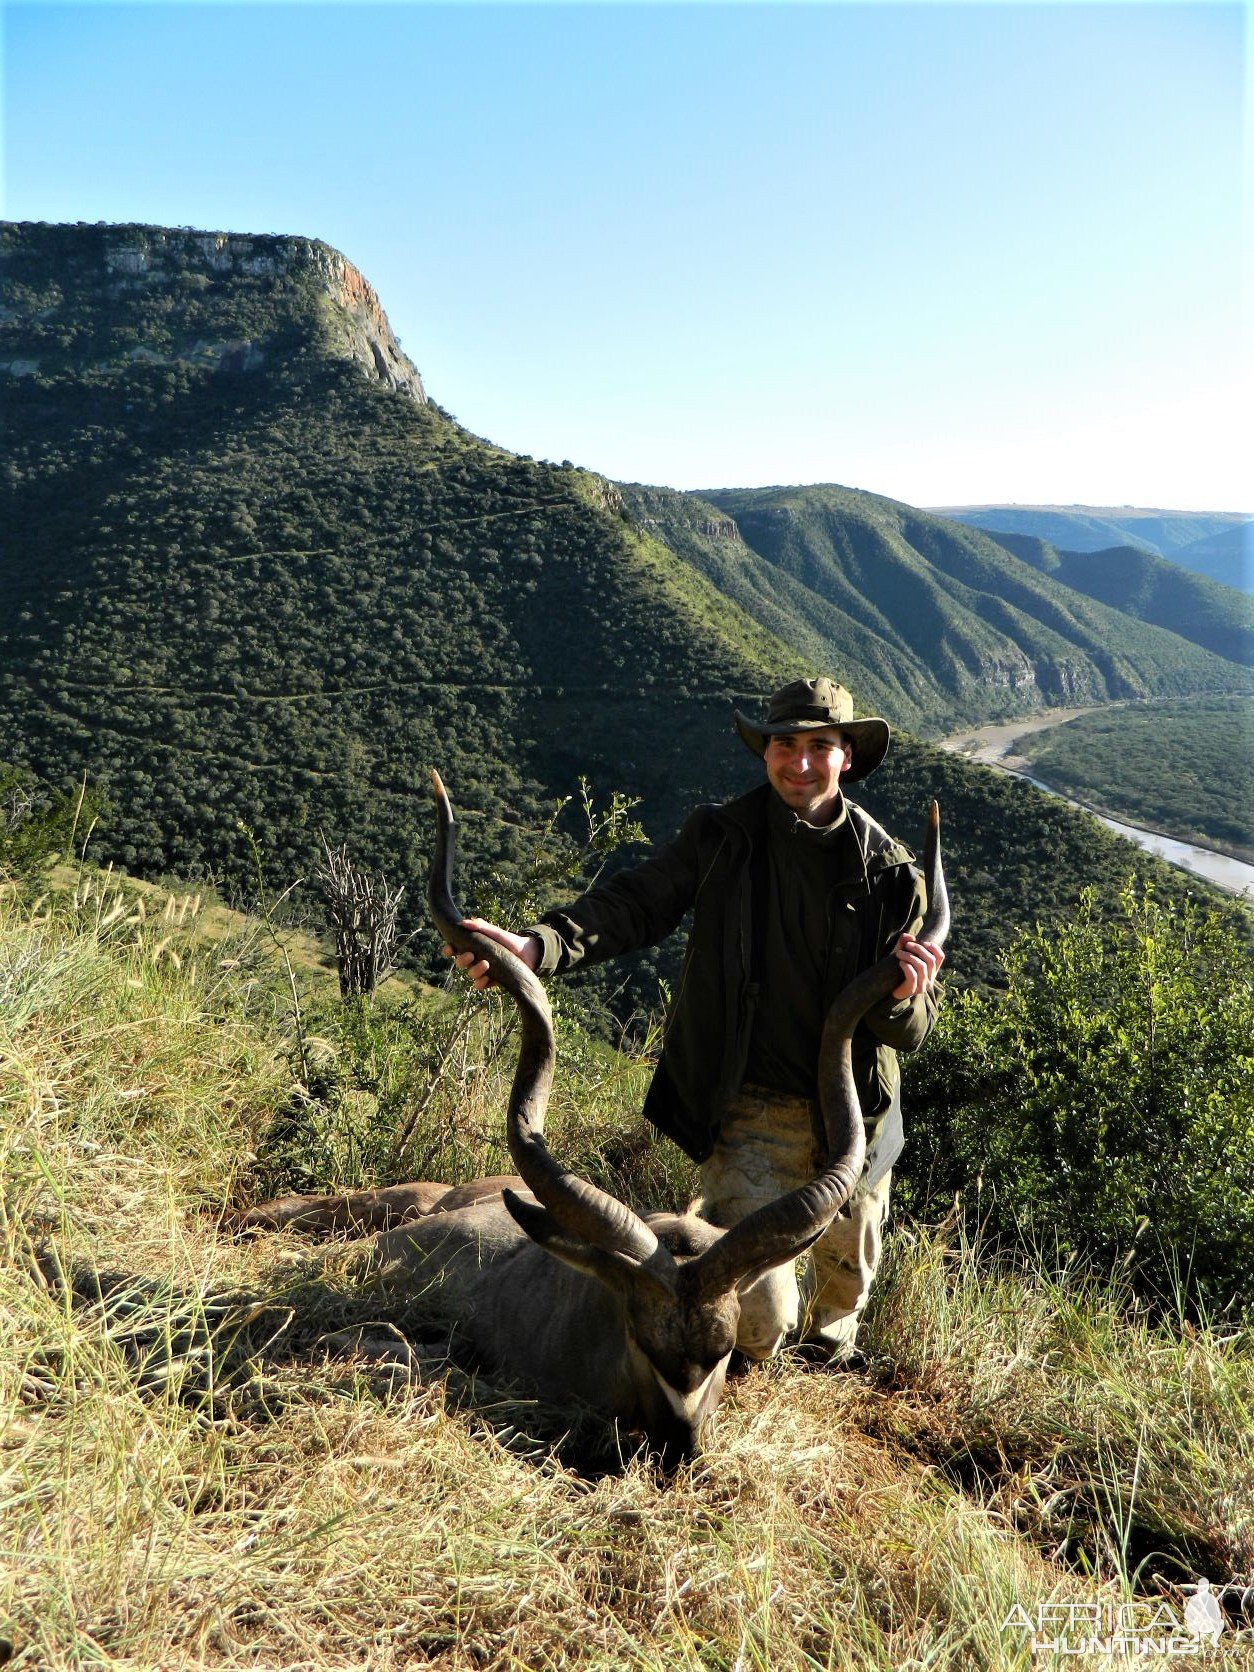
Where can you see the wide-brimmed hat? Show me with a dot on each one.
(807, 704)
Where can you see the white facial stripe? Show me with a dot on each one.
(684, 1405)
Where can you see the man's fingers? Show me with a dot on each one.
(919, 961)
(522, 946)
(478, 972)
(931, 955)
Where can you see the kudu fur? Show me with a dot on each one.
(559, 1285)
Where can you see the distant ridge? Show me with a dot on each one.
(1138, 583)
(1217, 544)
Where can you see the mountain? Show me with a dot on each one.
(1139, 584)
(1226, 557)
(1217, 544)
(254, 581)
(936, 622)
(268, 578)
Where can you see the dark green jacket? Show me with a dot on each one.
(875, 894)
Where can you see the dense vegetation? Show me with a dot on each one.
(1145, 586)
(215, 1454)
(1183, 768)
(1101, 1107)
(39, 825)
(274, 598)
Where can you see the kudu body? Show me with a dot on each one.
(558, 1284)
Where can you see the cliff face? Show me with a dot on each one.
(93, 299)
(363, 326)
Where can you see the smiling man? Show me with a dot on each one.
(794, 890)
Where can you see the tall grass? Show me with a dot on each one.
(194, 1474)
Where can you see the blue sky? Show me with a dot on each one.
(949, 253)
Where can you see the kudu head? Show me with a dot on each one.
(677, 1278)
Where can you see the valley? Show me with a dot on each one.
(1177, 770)
(1108, 756)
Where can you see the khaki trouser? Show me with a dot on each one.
(766, 1147)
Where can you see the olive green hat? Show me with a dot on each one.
(807, 704)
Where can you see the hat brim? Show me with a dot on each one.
(868, 739)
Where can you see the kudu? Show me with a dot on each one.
(564, 1288)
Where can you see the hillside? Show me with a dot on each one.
(270, 588)
(254, 582)
(946, 619)
(1227, 557)
(241, 1455)
(1215, 544)
(1139, 584)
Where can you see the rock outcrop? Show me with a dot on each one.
(367, 336)
(150, 293)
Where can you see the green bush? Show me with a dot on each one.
(39, 825)
(1101, 1105)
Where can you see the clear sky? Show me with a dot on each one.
(949, 253)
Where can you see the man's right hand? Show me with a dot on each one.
(526, 947)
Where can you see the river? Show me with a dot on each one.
(995, 746)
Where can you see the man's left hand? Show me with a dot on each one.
(920, 962)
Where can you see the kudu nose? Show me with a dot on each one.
(678, 1445)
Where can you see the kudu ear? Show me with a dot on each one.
(613, 1268)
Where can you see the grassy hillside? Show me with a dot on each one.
(947, 607)
(1186, 769)
(228, 1455)
(822, 631)
(1139, 584)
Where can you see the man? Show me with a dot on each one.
(794, 890)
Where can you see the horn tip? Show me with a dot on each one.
(933, 815)
(437, 783)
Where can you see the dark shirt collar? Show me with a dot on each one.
(837, 840)
(781, 819)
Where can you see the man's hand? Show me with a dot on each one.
(919, 961)
(526, 947)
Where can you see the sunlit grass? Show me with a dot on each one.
(194, 1474)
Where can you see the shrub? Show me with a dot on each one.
(1101, 1105)
(39, 825)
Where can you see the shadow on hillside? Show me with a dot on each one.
(246, 1357)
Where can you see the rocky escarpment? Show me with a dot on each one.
(361, 325)
(97, 299)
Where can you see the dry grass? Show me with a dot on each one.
(188, 1477)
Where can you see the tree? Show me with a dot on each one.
(362, 912)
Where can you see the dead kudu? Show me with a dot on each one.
(562, 1287)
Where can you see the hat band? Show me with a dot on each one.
(812, 712)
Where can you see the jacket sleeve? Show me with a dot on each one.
(635, 908)
(902, 1023)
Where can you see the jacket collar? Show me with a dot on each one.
(747, 816)
(869, 847)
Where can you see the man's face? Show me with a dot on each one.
(804, 769)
